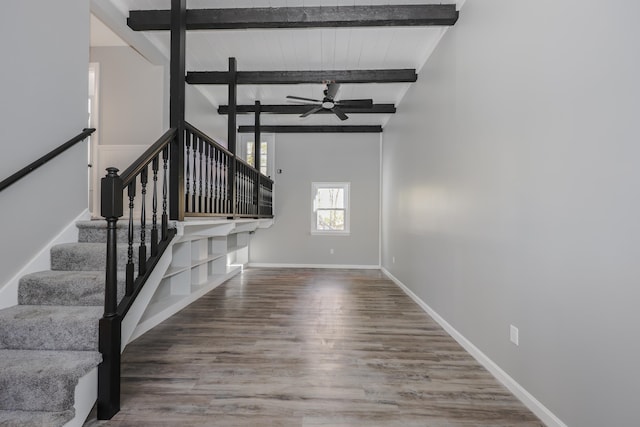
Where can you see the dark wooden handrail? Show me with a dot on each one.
(204, 136)
(44, 159)
(145, 158)
(113, 187)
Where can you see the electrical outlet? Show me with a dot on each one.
(331, 251)
(514, 335)
(393, 260)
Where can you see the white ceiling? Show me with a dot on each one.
(301, 49)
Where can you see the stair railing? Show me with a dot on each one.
(44, 159)
(209, 188)
(112, 208)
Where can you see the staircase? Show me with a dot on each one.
(50, 339)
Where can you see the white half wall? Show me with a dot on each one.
(511, 197)
(44, 87)
(307, 158)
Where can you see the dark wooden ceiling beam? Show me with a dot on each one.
(300, 109)
(300, 17)
(312, 129)
(402, 75)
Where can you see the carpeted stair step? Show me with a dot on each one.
(37, 327)
(96, 231)
(88, 256)
(35, 418)
(65, 288)
(42, 380)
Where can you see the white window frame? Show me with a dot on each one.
(346, 187)
(269, 138)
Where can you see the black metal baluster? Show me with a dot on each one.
(242, 189)
(187, 143)
(206, 177)
(211, 179)
(165, 217)
(200, 177)
(211, 182)
(154, 207)
(194, 172)
(220, 169)
(131, 192)
(228, 184)
(238, 193)
(223, 184)
(243, 184)
(214, 208)
(254, 193)
(142, 253)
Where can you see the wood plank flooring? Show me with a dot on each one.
(307, 347)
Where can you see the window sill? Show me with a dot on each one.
(330, 233)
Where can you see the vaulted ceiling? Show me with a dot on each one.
(301, 49)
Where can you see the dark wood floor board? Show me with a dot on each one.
(308, 348)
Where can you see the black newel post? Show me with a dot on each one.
(109, 326)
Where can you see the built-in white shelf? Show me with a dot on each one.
(204, 255)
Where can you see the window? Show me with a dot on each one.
(330, 208)
(246, 151)
(263, 155)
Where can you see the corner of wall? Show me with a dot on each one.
(40, 261)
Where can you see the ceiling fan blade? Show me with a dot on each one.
(338, 112)
(332, 90)
(356, 103)
(311, 111)
(303, 99)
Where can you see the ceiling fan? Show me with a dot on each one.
(330, 103)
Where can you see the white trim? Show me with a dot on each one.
(336, 266)
(525, 397)
(85, 396)
(41, 261)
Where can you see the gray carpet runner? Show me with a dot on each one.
(50, 340)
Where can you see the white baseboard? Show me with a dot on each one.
(334, 266)
(41, 261)
(525, 397)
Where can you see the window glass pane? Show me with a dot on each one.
(330, 198)
(263, 158)
(330, 204)
(330, 219)
(250, 156)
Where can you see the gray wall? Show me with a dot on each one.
(334, 158)
(43, 82)
(511, 196)
(132, 97)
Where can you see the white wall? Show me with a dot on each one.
(511, 196)
(132, 101)
(305, 158)
(43, 82)
(204, 116)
